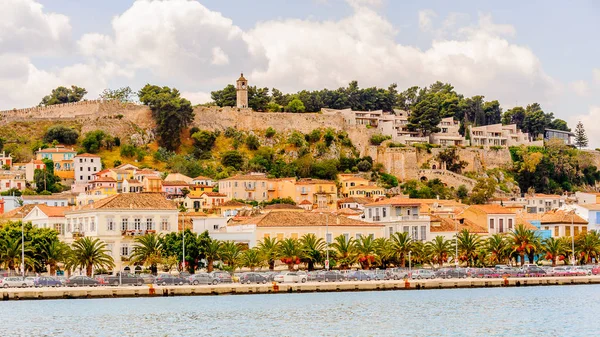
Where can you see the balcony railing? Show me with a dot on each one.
(376, 218)
(78, 234)
(250, 187)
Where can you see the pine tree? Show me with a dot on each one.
(581, 139)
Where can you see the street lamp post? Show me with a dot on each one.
(409, 264)
(23, 247)
(456, 246)
(573, 237)
(327, 239)
(183, 242)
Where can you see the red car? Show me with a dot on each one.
(596, 270)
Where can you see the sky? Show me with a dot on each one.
(517, 52)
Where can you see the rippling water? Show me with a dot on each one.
(530, 311)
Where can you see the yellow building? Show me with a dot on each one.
(294, 224)
(355, 186)
(257, 187)
(197, 190)
(322, 193)
(62, 158)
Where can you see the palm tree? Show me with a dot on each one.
(90, 253)
(54, 252)
(10, 252)
(344, 251)
(291, 252)
(553, 248)
(313, 248)
(588, 246)
(521, 241)
(498, 249)
(211, 253)
(567, 249)
(230, 254)
(439, 248)
(148, 250)
(364, 247)
(252, 258)
(401, 245)
(269, 248)
(383, 251)
(468, 246)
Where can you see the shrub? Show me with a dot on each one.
(393, 144)
(329, 137)
(388, 180)
(252, 142)
(270, 132)
(496, 148)
(116, 163)
(61, 134)
(295, 105)
(296, 139)
(128, 150)
(321, 148)
(93, 141)
(378, 139)
(232, 159)
(364, 166)
(117, 141)
(314, 136)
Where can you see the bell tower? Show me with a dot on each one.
(242, 92)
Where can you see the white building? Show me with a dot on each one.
(85, 166)
(399, 215)
(118, 219)
(61, 199)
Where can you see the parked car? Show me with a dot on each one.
(379, 275)
(329, 276)
(15, 282)
(482, 273)
(47, 281)
(291, 277)
(577, 271)
(168, 279)
(222, 276)
(584, 270)
(502, 267)
(423, 274)
(76, 281)
(533, 271)
(398, 273)
(202, 278)
(561, 271)
(360, 275)
(252, 278)
(596, 270)
(449, 273)
(125, 279)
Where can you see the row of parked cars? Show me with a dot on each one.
(218, 277)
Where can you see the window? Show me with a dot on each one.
(384, 212)
(372, 235)
(81, 169)
(423, 232)
(60, 228)
(415, 233)
(279, 236)
(266, 236)
(510, 224)
(124, 224)
(491, 223)
(501, 225)
(294, 235)
(358, 236)
(556, 234)
(405, 229)
(328, 237)
(346, 236)
(149, 224)
(216, 227)
(109, 248)
(124, 249)
(584, 229)
(391, 230)
(137, 224)
(92, 225)
(164, 224)
(110, 224)
(371, 215)
(567, 230)
(576, 230)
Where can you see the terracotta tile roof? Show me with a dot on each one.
(305, 202)
(202, 178)
(247, 177)
(193, 214)
(233, 203)
(18, 213)
(133, 201)
(545, 196)
(213, 194)
(175, 183)
(56, 150)
(152, 178)
(52, 212)
(199, 186)
(444, 224)
(283, 207)
(591, 207)
(562, 217)
(133, 181)
(119, 171)
(45, 197)
(102, 172)
(124, 165)
(310, 181)
(104, 180)
(36, 161)
(348, 212)
(492, 209)
(88, 155)
(303, 219)
(396, 201)
(355, 200)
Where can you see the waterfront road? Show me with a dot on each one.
(236, 288)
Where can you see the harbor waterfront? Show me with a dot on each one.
(237, 289)
(530, 311)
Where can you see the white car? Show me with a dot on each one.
(16, 282)
(291, 277)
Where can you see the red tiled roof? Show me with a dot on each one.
(52, 211)
(213, 194)
(89, 155)
(396, 201)
(175, 183)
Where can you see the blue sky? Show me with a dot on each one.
(515, 51)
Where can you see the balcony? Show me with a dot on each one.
(376, 218)
(249, 187)
(78, 235)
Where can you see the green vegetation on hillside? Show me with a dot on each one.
(64, 95)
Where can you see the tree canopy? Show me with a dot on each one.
(64, 95)
(171, 112)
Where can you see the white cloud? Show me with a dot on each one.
(596, 74)
(479, 60)
(26, 28)
(426, 17)
(580, 88)
(176, 39)
(591, 125)
(199, 97)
